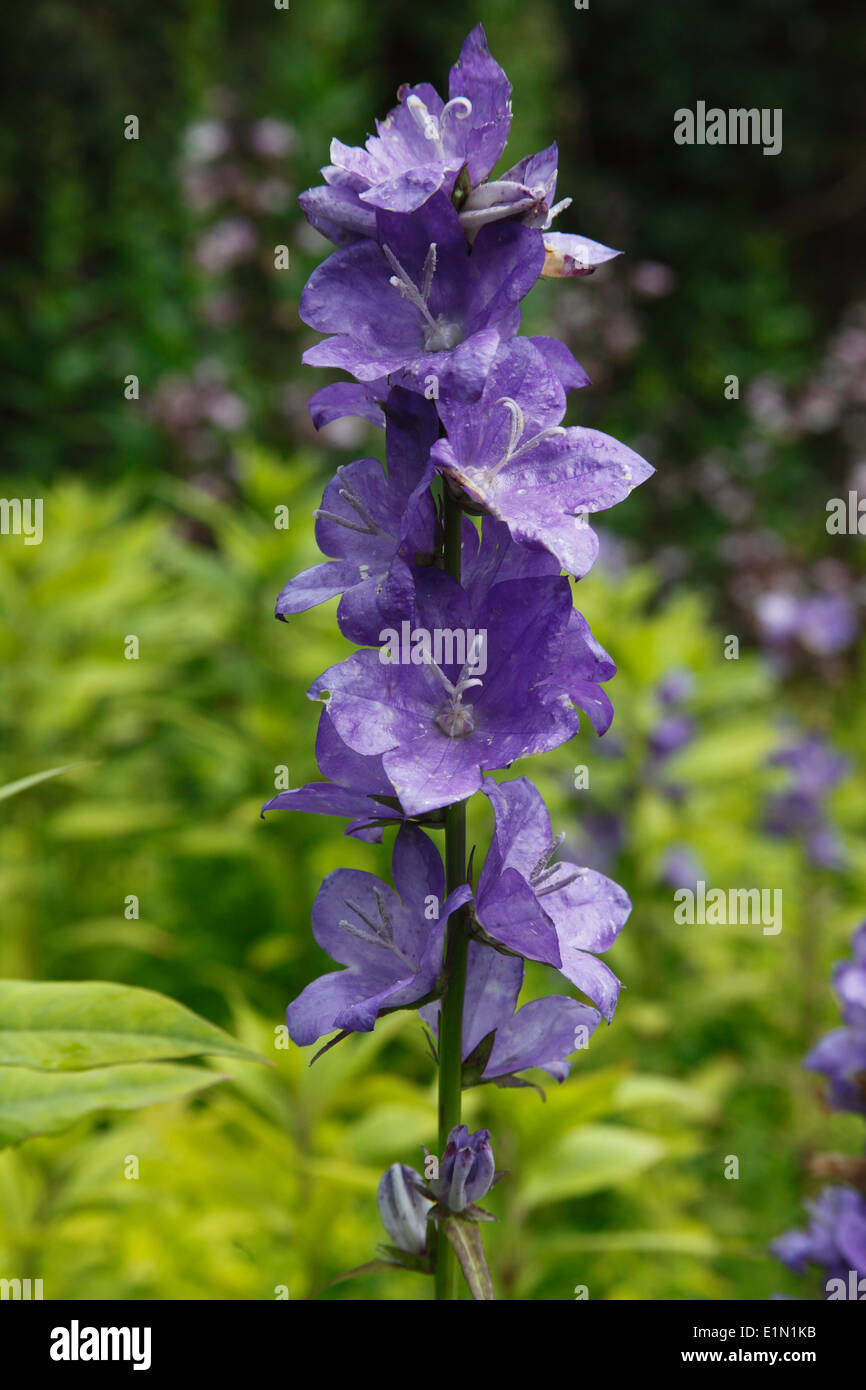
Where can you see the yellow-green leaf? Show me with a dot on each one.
(42, 1102)
(69, 1026)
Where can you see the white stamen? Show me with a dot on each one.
(433, 129)
(379, 933)
(403, 282)
(366, 525)
(440, 334)
(429, 125)
(460, 107)
(454, 718)
(517, 424)
(555, 211)
(543, 877)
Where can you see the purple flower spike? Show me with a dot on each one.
(448, 560)
(440, 725)
(403, 1208)
(559, 914)
(509, 454)
(373, 524)
(390, 942)
(466, 1171)
(417, 308)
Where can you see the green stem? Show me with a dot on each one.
(456, 952)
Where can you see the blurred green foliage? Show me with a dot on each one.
(617, 1181)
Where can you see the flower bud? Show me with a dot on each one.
(403, 1209)
(467, 1169)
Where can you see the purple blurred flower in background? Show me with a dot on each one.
(680, 867)
(835, 1238)
(822, 624)
(271, 138)
(225, 244)
(670, 734)
(841, 1055)
(799, 811)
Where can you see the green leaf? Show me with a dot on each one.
(735, 750)
(641, 1090)
(39, 1102)
(72, 1026)
(12, 788)
(667, 1242)
(588, 1160)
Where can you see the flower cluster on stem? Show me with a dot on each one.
(468, 540)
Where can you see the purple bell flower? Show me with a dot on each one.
(342, 398)
(418, 149)
(427, 146)
(373, 525)
(559, 914)
(542, 1033)
(510, 454)
(416, 307)
(440, 725)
